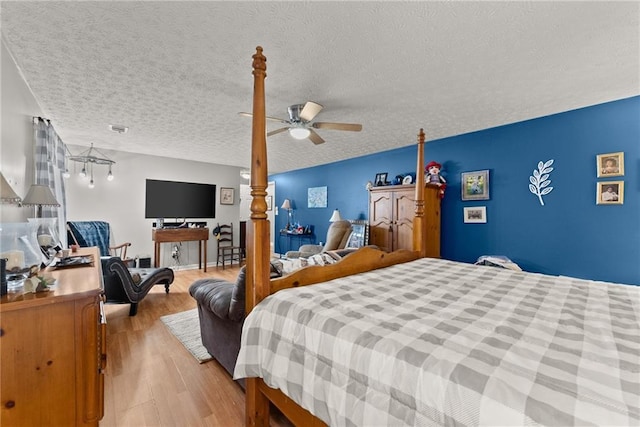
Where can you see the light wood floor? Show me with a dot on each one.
(152, 380)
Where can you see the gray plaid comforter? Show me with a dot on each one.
(435, 342)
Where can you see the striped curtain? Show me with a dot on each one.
(49, 158)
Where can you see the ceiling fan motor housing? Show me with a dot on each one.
(294, 112)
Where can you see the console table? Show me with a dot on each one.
(300, 237)
(170, 235)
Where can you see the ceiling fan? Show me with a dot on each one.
(300, 125)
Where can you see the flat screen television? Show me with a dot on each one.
(174, 199)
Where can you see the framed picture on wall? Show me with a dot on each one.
(475, 215)
(610, 164)
(610, 193)
(317, 197)
(475, 185)
(226, 196)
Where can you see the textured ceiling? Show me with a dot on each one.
(178, 72)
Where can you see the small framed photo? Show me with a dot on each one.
(475, 185)
(475, 215)
(381, 179)
(610, 193)
(610, 164)
(269, 200)
(226, 196)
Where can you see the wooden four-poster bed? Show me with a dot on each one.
(400, 339)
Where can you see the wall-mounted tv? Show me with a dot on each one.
(173, 199)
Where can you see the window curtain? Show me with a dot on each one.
(49, 159)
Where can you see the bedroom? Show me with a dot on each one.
(570, 224)
(628, 246)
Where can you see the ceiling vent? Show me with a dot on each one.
(118, 128)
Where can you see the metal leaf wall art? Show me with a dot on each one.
(539, 181)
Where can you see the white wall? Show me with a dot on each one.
(121, 202)
(16, 144)
(245, 208)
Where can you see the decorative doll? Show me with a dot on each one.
(432, 175)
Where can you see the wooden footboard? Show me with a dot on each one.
(364, 259)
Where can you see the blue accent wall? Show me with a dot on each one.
(570, 235)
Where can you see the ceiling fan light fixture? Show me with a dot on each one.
(299, 132)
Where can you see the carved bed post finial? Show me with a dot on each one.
(419, 222)
(259, 62)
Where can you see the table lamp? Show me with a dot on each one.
(39, 196)
(287, 205)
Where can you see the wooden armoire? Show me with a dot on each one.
(391, 213)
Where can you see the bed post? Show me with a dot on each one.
(418, 221)
(257, 274)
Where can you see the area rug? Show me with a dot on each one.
(186, 327)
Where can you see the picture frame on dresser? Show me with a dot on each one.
(381, 179)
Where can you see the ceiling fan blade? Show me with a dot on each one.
(354, 127)
(315, 138)
(310, 110)
(274, 132)
(274, 119)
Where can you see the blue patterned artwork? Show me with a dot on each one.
(317, 197)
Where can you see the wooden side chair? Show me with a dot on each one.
(227, 251)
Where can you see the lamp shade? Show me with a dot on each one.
(40, 195)
(335, 216)
(7, 195)
(286, 204)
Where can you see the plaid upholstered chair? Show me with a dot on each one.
(97, 233)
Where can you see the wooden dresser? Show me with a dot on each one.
(52, 349)
(391, 213)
